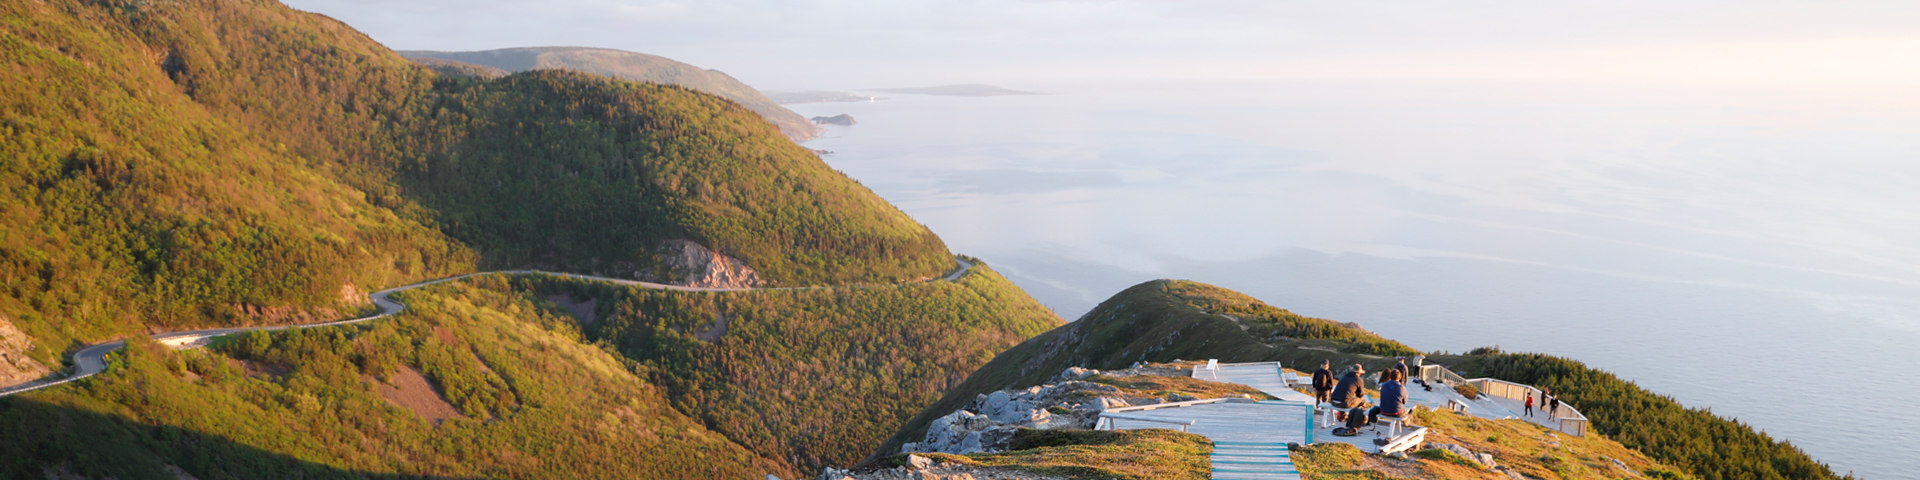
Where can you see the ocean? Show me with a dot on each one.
(1749, 251)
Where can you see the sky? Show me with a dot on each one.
(1872, 47)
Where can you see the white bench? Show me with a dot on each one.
(1405, 442)
(1393, 423)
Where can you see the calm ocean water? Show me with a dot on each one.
(1750, 252)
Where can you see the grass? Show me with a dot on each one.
(1156, 386)
(1151, 454)
(545, 404)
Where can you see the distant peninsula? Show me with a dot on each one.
(819, 96)
(963, 90)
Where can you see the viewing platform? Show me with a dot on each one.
(1250, 436)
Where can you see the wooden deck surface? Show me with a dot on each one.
(1249, 439)
(1261, 376)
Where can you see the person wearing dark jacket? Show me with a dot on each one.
(1393, 398)
(1323, 382)
(1348, 393)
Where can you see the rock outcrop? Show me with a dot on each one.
(923, 468)
(987, 424)
(15, 366)
(684, 262)
(841, 119)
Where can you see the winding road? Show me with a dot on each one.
(93, 359)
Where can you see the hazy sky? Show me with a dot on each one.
(844, 44)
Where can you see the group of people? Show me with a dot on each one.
(1349, 391)
(1552, 403)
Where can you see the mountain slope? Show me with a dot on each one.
(526, 396)
(814, 378)
(130, 205)
(637, 67)
(199, 163)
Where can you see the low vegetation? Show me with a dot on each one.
(1157, 386)
(1691, 439)
(1152, 454)
(817, 377)
(538, 402)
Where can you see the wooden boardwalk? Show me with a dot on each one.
(1263, 376)
(1249, 439)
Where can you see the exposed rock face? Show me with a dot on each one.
(923, 468)
(15, 366)
(692, 264)
(987, 424)
(1484, 459)
(841, 119)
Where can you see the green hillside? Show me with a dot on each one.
(540, 377)
(637, 67)
(527, 397)
(813, 377)
(181, 164)
(1164, 320)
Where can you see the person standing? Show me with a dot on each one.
(1323, 382)
(1529, 405)
(1348, 392)
(1404, 372)
(1553, 407)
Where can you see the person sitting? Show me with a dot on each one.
(1323, 382)
(1393, 398)
(1348, 393)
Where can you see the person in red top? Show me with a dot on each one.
(1529, 404)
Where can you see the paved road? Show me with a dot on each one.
(92, 360)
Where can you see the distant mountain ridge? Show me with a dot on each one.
(958, 90)
(633, 66)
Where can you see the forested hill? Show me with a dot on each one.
(1165, 320)
(637, 67)
(194, 163)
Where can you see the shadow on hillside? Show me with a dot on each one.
(36, 437)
